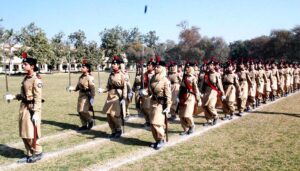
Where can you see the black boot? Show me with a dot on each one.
(112, 135)
(118, 134)
(34, 158)
(191, 129)
(90, 124)
(84, 127)
(160, 144)
(215, 121)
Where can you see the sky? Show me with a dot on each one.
(230, 19)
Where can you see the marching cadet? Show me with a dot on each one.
(146, 99)
(244, 80)
(175, 80)
(288, 78)
(219, 71)
(212, 86)
(137, 85)
(261, 79)
(30, 110)
(275, 80)
(189, 96)
(252, 86)
(86, 88)
(296, 74)
(292, 77)
(160, 92)
(268, 89)
(128, 100)
(281, 71)
(231, 85)
(116, 95)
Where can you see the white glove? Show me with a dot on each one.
(138, 87)
(92, 101)
(199, 104)
(70, 88)
(167, 110)
(177, 100)
(130, 94)
(223, 98)
(100, 90)
(8, 97)
(143, 92)
(35, 119)
(122, 102)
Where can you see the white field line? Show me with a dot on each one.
(60, 135)
(174, 140)
(68, 151)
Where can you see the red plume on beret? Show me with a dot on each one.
(205, 61)
(196, 62)
(151, 59)
(84, 60)
(116, 58)
(24, 55)
(158, 58)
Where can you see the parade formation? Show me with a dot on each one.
(163, 92)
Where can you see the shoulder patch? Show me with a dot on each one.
(40, 85)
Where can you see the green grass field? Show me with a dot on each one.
(267, 139)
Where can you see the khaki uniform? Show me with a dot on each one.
(243, 77)
(296, 74)
(230, 83)
(252, 88)
(136, 87)
(31, 93)
(219, 98)
(268, 88)
(116, 90)
(175, 84)
(211, 94)
(160, 93)
(281, 90)
(146, 100)
(128, 101)
(274, 81)
(288, 79)
(86, 88)
(260, 81)
(189, 97)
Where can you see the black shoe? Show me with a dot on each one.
(215, 121)
(225, 117)
(191, 130)
(248, 109)
(183, 133)
(159, 145)
(118, 134)
(34, 158)
(172, 118)
(208, 124)
(83, 128)
(153, 145)
(113, 135)
(91, 123)
(230, 117)
(240, 114)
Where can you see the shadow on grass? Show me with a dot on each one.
(62, 125)
(11, 152)
(278, 113)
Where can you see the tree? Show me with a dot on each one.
(35, 43)
(150, 39)
(112, 40)
(58, 48)
(78, 40)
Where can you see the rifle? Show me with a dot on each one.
(166, 121)
(123, 111)
(138, 103)
(88, 93)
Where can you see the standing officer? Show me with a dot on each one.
(86, 88)
(175, 80)
(30, 110)
(212, 86)
(231, 85)
(160, 93)
(115, 102)
(189, 96)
